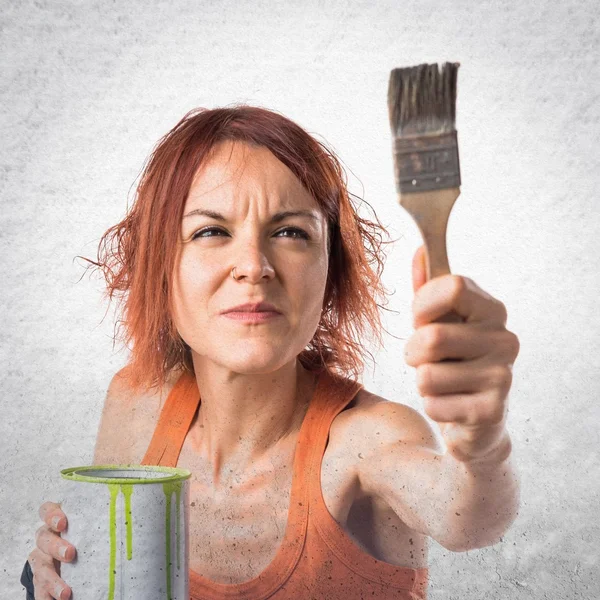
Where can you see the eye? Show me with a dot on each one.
(202, 231)
(299, 232)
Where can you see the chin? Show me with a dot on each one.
(253, 368)
(255, 361)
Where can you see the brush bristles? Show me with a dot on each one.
(422, 99)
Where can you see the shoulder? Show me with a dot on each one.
(372, 430)
(378, 421)
(128, 419)
(387, 446)
(120, 389)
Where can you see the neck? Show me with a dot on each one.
(244, 419)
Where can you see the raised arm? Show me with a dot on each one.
(461, 505)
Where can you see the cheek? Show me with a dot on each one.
(310, 291)
(190, 285)
(194, 286)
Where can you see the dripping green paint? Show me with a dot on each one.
(172, 484)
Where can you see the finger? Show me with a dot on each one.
(419, 268)
(468, 410)
(53, 516)
(50, 586)
(52, 544)
(41, 594)
(468, 377)
(457, 293)
(46, 581)
(468, 443)
(435, 342)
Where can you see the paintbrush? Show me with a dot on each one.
(422, 109)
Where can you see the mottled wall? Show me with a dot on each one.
(87, 88)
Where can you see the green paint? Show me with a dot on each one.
(125, 485)
(127, 490)
(168, 541)
(112, 520)
(168, 489)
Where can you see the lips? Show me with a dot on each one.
(253, 317)
(255, 307)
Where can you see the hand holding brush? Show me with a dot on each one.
(461, 348)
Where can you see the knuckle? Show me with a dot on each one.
(37, 558)
(410, 354)
(514, 344)
(433, 336)
(492, 409)
(501, 377)
(459, 285)
(416, 303)
(496, 412)
(44, 509)
(424, 379)
(497, 415)
(39, 534)
(502, 311)
(507, 378)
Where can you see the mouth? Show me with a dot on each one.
(252, 317)
(252, 307)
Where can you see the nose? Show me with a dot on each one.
(252, 265)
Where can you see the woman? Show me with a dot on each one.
(304, 483)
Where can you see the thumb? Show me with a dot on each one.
(419, 268)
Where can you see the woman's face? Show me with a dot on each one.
(283, 262)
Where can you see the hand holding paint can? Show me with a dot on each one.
(129, 524)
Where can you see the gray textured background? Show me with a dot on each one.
(86, 90)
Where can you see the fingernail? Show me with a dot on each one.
(58, 590)
(63, 551)
(55, 522)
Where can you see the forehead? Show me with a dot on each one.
(237, 170)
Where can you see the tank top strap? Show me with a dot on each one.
(359, 562)
(336, 392)
(173, 423)
(331, 395)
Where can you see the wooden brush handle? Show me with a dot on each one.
(431, 210)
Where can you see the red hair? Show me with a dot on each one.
(137, 256)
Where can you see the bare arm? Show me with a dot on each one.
(128, 420)
(460, 505)
(114, 442)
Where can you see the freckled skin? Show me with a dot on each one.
(259, 509)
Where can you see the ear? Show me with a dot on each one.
(419, 268)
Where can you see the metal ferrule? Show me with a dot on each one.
(426, 162)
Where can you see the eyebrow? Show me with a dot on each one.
(276, 218)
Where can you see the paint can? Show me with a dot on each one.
(129, 525)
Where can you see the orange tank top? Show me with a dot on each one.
(316, 558)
